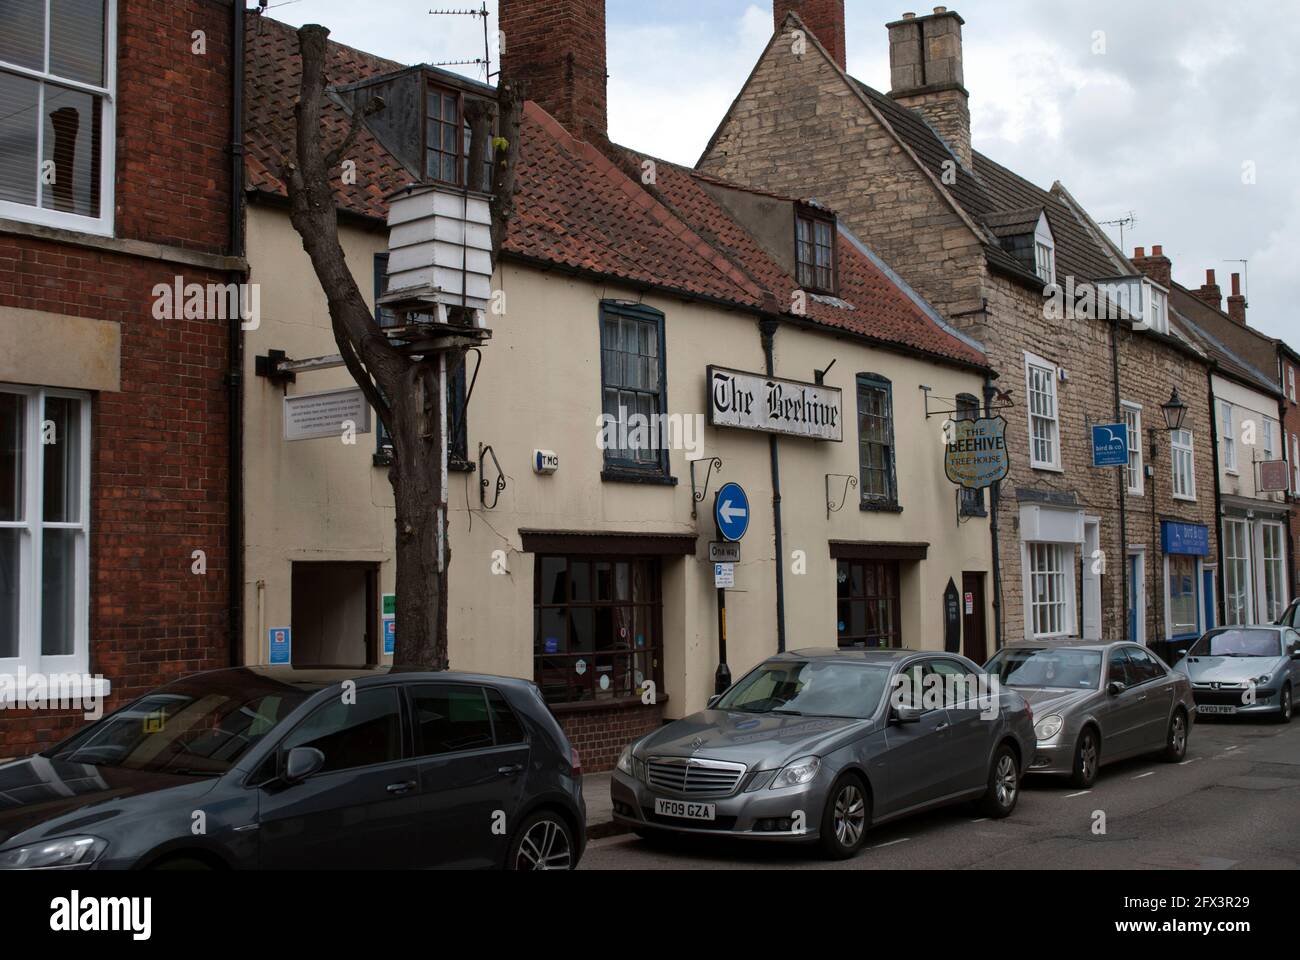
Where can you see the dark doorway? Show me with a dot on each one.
(974, 636)
(335, 614)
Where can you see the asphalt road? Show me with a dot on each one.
(1234, 803)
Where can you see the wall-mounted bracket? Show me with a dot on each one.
(483, 453)
(849, 483)
(699, 493)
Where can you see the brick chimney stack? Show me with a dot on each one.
(1236, 302)
(1156, 266)
(1210, 291)
(825, 18)
(926, 74)
(557, 48)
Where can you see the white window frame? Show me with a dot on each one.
(1134, 471)
(1156, 307)
(1064, 573)
(1183, 455)
(1044, 251)
(1268, 614)
(1290, 376)
(103, 224)
(1246, 562)
(1268, 438)
(1295, 465)
(1227, 431)
(1198, 578)
(30, 540)
(1032, 363)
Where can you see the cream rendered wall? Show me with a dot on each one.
(539, 387)
(1247, 406)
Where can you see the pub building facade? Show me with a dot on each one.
(658, 340)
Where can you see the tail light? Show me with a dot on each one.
(575, 761)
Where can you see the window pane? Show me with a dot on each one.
(449, 719)
(505, 723)
(353, 735)
(9, 545)
(18, 126)
(72, 142)
(554, 586)
(58, 592)
(13, 408)
(62, 495)
(22, 40)
(77, 40)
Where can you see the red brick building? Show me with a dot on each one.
(116, 181)
(1289, 371)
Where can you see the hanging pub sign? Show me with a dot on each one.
(1273, 476)
(976, 456)
(750, 401)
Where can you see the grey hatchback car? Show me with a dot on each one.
(1095, 703)
(1244, 671)
(820, 745)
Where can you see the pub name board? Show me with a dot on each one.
(751, 401)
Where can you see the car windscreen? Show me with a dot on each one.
(187, 730)
(1061, 668)
(810, 688)
(1239, 643)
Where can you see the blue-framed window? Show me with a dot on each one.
(633, 391)
(879, 485)
(457, 428)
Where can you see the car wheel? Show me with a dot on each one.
(1004, 785)
(1176, 740)
(845, 819)
(1087, 759)
(544, 842)
(1284, 714)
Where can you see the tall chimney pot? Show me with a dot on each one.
(927, 75)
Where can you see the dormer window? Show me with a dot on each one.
(447, 139)
(1157, 308)
(1044, 252)
(815, 250)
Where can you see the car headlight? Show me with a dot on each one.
(1260, 681)
(64, 852)
(625, 761)
(1048, 727)
(797, 773)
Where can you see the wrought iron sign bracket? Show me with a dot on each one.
(1003, 402)
(699, 493)
(483, 453)
(849, 483)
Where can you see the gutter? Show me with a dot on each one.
(235, 351)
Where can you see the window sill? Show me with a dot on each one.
(980, 514)
(461, 466)
(628, 475)
(867, 506)
(593, 706)
(1184, 499)
(1047, 467)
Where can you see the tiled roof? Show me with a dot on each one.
(1197, 319)
(578, 208)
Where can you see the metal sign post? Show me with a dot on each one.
(731, 518)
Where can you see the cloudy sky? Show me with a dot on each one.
(1159, 108)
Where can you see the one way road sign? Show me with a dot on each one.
(731, 511)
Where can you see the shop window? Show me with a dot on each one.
(1237, 608)
(632, 391)
(1049, 599)
(868, 604)
(1044, 418)
(1273, 558)
(597, 628)
(1183, 596)
(44, 527)
(1184, 464)
(876, 442)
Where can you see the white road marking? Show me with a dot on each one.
(1143, 776)
(1081, 793)
(1186, 762)
(981, 820)
(891, 843)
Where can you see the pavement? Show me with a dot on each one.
(1234, 803)
(600, 809)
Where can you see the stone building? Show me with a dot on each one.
(1022, 269)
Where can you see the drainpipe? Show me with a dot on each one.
(995, 494)
(1123, 484)
(1221, 601)
(768, 330)
(235, 353)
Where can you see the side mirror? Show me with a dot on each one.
(713, 700)
(1295, 653)
(301, 763)
(1115, 688)
(905, 715)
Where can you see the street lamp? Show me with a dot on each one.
(1175, 412)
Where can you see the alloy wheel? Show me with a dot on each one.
(1088, 758)
(1286, 705)
(1005, 784)
(544, 847)
(1178, 734)
(850, 815)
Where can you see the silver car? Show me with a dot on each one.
(1095, 703)
(1245, 671)
(820, 745)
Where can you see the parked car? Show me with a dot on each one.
(821, 745)
(277, 767)
(1245, 671)
(1291, 616)
(1095, 703)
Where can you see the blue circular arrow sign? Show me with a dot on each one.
(731, 511)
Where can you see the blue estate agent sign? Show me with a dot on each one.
(1110, 445)
(732, 512)
(281, 645)
(1185, 539)
(390, 636)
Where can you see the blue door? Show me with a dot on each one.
(1134, 585)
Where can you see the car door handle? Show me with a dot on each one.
(405, 786)
(509, 770)
(941, 727)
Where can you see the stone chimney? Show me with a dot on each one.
(1210, 291)
(1156, 266)
(1236, 302)
(825, 18)
(557, 49)
(926, 75)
